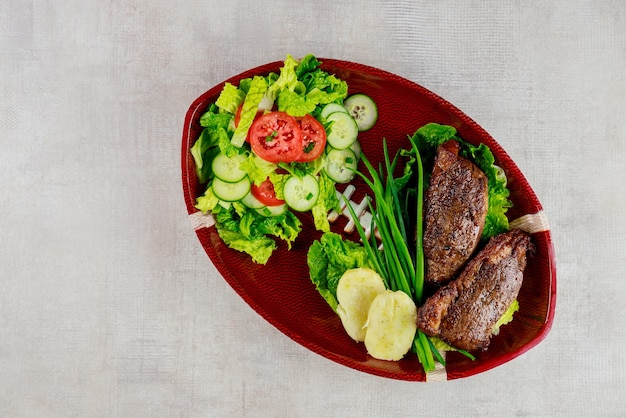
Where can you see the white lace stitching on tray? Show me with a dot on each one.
(531, 223)
(201, 220)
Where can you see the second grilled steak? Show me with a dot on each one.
(464, 311)
(455, 209)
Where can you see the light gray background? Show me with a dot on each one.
(110, 307)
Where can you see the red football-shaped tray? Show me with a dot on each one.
(281, 291)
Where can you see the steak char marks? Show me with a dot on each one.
(464, 311)
(455, 209)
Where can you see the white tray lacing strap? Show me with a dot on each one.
(201, 220)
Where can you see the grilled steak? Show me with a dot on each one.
(464, 311)
(455, 209)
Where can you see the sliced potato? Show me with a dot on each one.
(391, 325)
(355, 291)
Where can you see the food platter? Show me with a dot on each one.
(281, 291)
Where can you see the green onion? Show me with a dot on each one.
(466, 354)
(400, 268)
(418, 285)
(370, 247)
(436, 352)
(271, 136)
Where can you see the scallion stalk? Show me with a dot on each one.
(418, 284)
(399, 268)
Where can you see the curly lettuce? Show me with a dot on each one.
(230, 98)
(212, 139)
(303, 86)
(328, 259)
(245, 230)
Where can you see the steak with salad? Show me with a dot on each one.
(456, 204)
(464, 312)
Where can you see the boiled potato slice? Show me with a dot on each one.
(391, 325)
(355, 291)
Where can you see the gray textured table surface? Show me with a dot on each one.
(110, 307)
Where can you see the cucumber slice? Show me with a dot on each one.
(252, 202)
(230, 192)
(363, 109)
(301, 193)
(343, 130)
(356, 149)
(332, 108)
(272, 210)
(227, 168)
(225, 205)
(341, 165)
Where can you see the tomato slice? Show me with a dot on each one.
(276, 137)
(313, 138)
(265, 193)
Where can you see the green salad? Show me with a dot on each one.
(276, 145)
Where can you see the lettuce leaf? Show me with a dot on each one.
(260, 248)
(256, 92)
(279, 180)
(287, 80)
(506, 317)
(230, 98)
(430, 136)
(207, 146)
(245, 230)
(285, 227)
(326, 201)
(294, 104)
(328, 259)
(441, 345)
(303, 86)
(322, 97)
(257, 168)
(207, 202)
(307, 64)
(318, 81)
(298, 105)
(496, 221)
